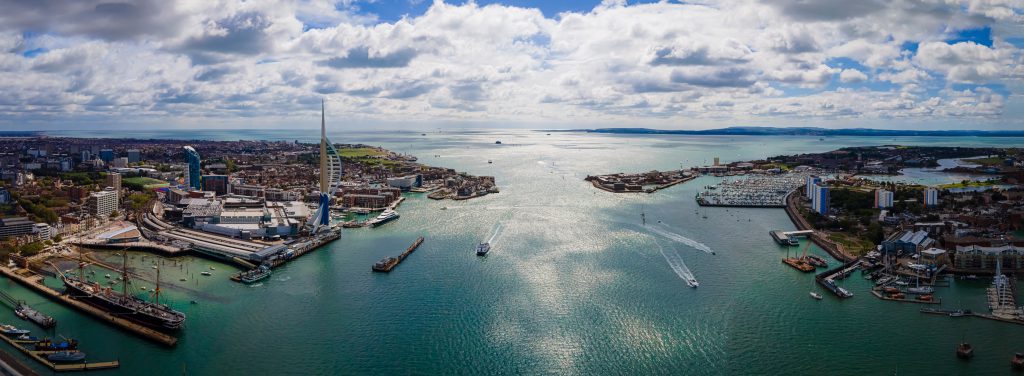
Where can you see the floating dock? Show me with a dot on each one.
(389, 263)
(883, 297)
(40, 356)
(35, 282)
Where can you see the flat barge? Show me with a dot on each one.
(388, 263)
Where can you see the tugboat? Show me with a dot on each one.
(1018, 361)
(123, 304)
(66, 357)
(385, 217)
(964, 351)
(483, 248)
(255, 275)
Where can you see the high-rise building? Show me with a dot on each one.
(716, 161)
(119, 162)
(811, 181)
(330, 177)
(134, 155)
(931, 197)
(819, 199)
(883, 199)
(102, 203)
(114, 181)
(193, 169)
(107, 155)
(216, 183)
(86, 155)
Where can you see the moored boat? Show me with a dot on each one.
(385, 217)
(964, 350)
(815, 295)
(922, 290)
(12, 331)
(49, 345)
(1018, 361)
(66, 356)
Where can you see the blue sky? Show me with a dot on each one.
(530, 63)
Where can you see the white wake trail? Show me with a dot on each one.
(495, 235)
(678, 266)
(681, 239)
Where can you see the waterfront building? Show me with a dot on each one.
(330, 177)
(907, 242)
(15, 226)
(215, 183)
(986, 258)
(134, 155)
(883, 199)
(406, 182)
(931, 197)
(193, 168)
(811, 181)
(102, 203)
(107, 155)
(819, 199)
(114, 181)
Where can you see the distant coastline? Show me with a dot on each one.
(803, 131)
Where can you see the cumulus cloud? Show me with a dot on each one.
(722, 61)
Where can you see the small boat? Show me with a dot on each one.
(964, 350)
(483, 248)
(1018, 361)
(489, 161)
(12, 331)
(154, 267)
(817, 261)
(815, 295)
(107, 276)
(66, 356)
(27, 338)
(206, 273)
(891, 290)
(958, 313)
(692, 282)
(212, 268)
(497, 142)
(48, 345)
(922, 290)
(183, 279)
(924, 298)
(901, 283)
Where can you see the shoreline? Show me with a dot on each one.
(833, 249)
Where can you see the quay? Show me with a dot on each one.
(787, 238)
(389, 263)
(35, 282)
(40, 356)
(818, 237)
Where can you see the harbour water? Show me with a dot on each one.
(573, 284)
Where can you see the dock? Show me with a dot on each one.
(827, 278)
(35, 282)
(40, 356)
(389, 263)
(26, 312)
(883, 297)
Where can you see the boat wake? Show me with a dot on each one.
(676, 263)
(681, 239)
(495, 235)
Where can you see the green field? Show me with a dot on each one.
(359, 152)
(989, 161)
(143, 182)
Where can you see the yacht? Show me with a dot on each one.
(385, 217)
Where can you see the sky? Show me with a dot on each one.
(98, 64)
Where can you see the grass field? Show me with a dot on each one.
(852, 244)
(142, 182)
(359, 152)
(990, 161)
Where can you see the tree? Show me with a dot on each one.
(114, 214)
(875, 233)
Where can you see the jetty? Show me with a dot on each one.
(40, 356)
(827, 278)
(389, 263)
(35, 282)
(897, 298)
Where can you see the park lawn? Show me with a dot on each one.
(853, 244)
(141, 182)
(359, 152)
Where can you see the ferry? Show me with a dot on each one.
(815, 295)
(385, 217)
(483, 248)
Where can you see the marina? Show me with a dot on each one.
(754, 191)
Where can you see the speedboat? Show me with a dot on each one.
(483, 248)
(815, 295)
(12, 331)
(692, 282)
(206, 273)
(66, 356)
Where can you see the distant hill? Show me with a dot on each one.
(809, 131)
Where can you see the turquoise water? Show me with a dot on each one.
(574, 283)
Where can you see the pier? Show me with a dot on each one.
(828, 277)
(40, 356)
(35, 282)
(389, 263)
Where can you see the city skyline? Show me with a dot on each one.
(512, 64)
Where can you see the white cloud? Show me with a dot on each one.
(712, 63)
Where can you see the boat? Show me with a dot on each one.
(489, 161)
(66, 356)
(921, 290)
(959, 313)
(12, 331)
(27, 338)
(107, 276)
(122, 304)
(883, 281)
(497, 142)
(692, 282)
(483, 248)
(154, 267)
(891, 290)
(28, 313)
(817, 261)
(212, 268)
(843, 292)
(815, 295)
(901, 283)
(1018, 361)
(49, 345)
(924, 298)
(206, 273)
(255, 275)
(964, 350)
(385, 217)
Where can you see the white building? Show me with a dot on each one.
(883, 199)
(931, 197)
(102, 203)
